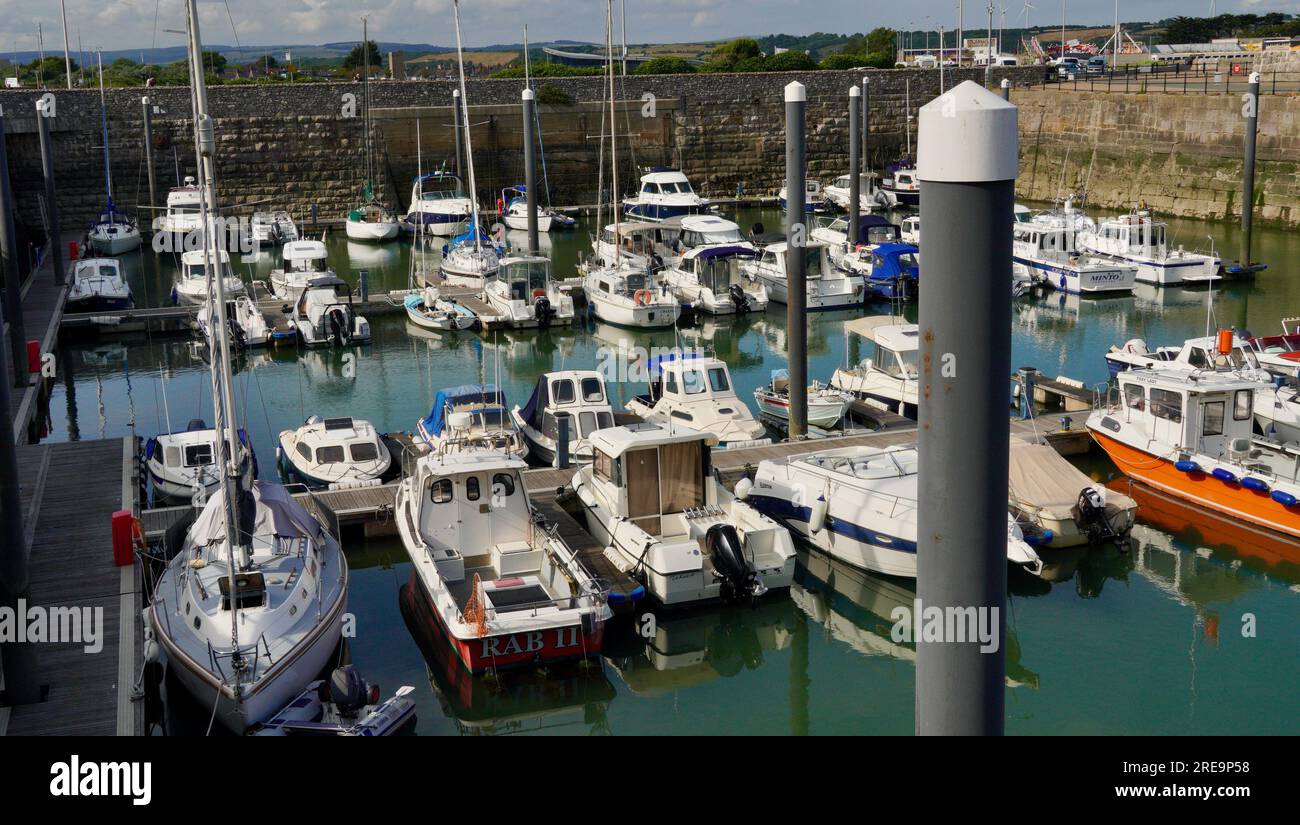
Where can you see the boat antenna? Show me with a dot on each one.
(103, 114)
(464, 116)
(613, 129)
(205, 143)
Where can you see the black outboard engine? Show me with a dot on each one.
(544, 311)
(338, 325)
(237, 334)
(1092, 517)
(656, 262)
(738, 577)
(739, 298)
(347, 690)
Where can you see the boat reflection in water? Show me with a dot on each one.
(855, 607)
(662, 653)
(570, 697)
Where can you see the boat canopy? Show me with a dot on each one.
(448, 399)
(467, 237)
(614, 441)
(709, 252)
(655, 365)
(882, 327)
(279, 515)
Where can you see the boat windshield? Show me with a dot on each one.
(812, 261)
(533, 273)
(436, 189)
(896, 364)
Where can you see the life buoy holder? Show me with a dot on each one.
(643, 297)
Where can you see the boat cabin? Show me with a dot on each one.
(694, 231)
(1194, 412)
(526, 277)
(305, 256)
(192, 263)
(890, 347)
(651, 474)
(715, 267)
(437, 186)
(689, 377)
(1134, 234)
(576, 395)
(816, 262)
(338, 441)
(465, 412)
(1043, 241)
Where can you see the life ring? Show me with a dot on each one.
(643, 297)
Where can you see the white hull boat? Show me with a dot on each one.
(695, 390)
(578, 396)
(428, 310)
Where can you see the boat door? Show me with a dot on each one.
(641, 470)
(439, 512)
(1215, 422)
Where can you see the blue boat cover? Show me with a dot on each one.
(452, 397)
(656, 362)
(537, 403)
(723, 252)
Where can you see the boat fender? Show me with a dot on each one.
(817, 516)
(1223, 475)
(1284, 498)
(743, 488)
(1256, 484)
(1186, 466)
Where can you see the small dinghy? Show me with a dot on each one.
(826, 406)
(335, 454)
(346, 705)
(426, 309)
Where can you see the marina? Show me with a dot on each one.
(651, 468)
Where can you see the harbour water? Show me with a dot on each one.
(1148, 641)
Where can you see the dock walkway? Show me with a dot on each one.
(43, 303)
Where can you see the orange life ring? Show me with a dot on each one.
(643, 297)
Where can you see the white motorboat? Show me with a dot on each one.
(665, 193)
(695, 390)
(183, 217)
(814, 198)
(826, 406)
(471, 417)
(513, 206)
(630, 297)
(1193, 354)
(707, 279)
(639, 244)
(651, 497)
(901, 186)
(1065, 506)
(261, 227)
(1137, 240)
(97, 286)
(502, 589)
(323, 314)
(1046, 253)
(182, 465)
(858, 505)
(872, 231)
(439, 205)
(248, 326)
(840, 193)
(192, 285)
(286, 231)
(427, 309)
(524, 294)
(888, 376)
(910, 230)
(335, 454)
(827, 286)
(303, 261)
(576, 395)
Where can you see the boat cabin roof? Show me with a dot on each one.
(305, 251)
(707, 223)
(96, 266)
(886, 331)
(661, 175)
(344, 427)
(615, 441)
(197, 257)
(1194, 383)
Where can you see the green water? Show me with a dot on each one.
(1147, 641)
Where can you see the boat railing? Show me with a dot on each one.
(317, 506)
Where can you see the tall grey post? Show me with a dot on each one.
(1006, 89)
(456, 120)
(866, 123)
(13, 285)
(148, 151)
(855, 165)
(967, 152)
(55, 240)
(796, 233)
(1250, 108)
(530, 172)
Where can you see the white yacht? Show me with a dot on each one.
(114, 232)
(630, 297)
(827, 286)
(524, 294)
(901, 186)
(858, 505)
(814, 197)
(262, 228)
(513, 206)
(665, 193)
(695, 390)
(371, 221)
(439, 205)
(182, 465)
(651, 496)
(183, 215)
(471, 259)
(707, 279)
(192, 284)
(1046, 254)
(303, 261)
(335, 454)
(576, 395)
(840, 193)
(1137, 240)
(639, 244)
(468, 418)
(97, 285)
(1193, 354)
(888, 376)
(826, 406)
(323, 314)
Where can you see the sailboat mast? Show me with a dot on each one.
(613, 128)
(223, 405)
(469, 146)
(365, 89)
(103, 114)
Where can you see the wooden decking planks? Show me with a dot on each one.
(71, 491)
(43, 302)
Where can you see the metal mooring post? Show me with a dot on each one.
(1250, 110)
(55, 240)
(1006, 89)
(13, 281)
(855, 165)
(530, 173)
(967, 163)
(796, 233)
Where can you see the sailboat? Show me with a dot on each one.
(114, 232)
(369, 220)
(250, 607)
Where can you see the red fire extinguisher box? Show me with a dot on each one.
(33, 357)
(123, 532)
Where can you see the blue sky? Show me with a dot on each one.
(119, 24)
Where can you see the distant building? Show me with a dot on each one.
(397, 65)
(589, 59)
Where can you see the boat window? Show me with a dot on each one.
(563, 391)
(198, 454)
(440, 491)
(1198, 358)
(718, 379)
(304, 451)
(670, 383)
(329, 455)
(1212, 418)
(812, 261)
(503, 485)
(587, 423)
(471, 488)
(1135, 396)
(605, 420)
(693, 382)
(603, 466)
(650, 189)
(592, 391)
(1166, 404)
(1241, 405)
(364, 451)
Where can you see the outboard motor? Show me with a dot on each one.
(544, 311)
(347, 690)
(727, 551)
(338, 327)
(1092, 517)
(739, 298)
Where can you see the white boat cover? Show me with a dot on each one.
(1042, 480)
(278, 514)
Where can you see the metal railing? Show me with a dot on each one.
(1172, 78)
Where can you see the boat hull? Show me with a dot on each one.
(115, 245)
(441, 224)
(371, 231)
(841, 539)
(99, 303)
